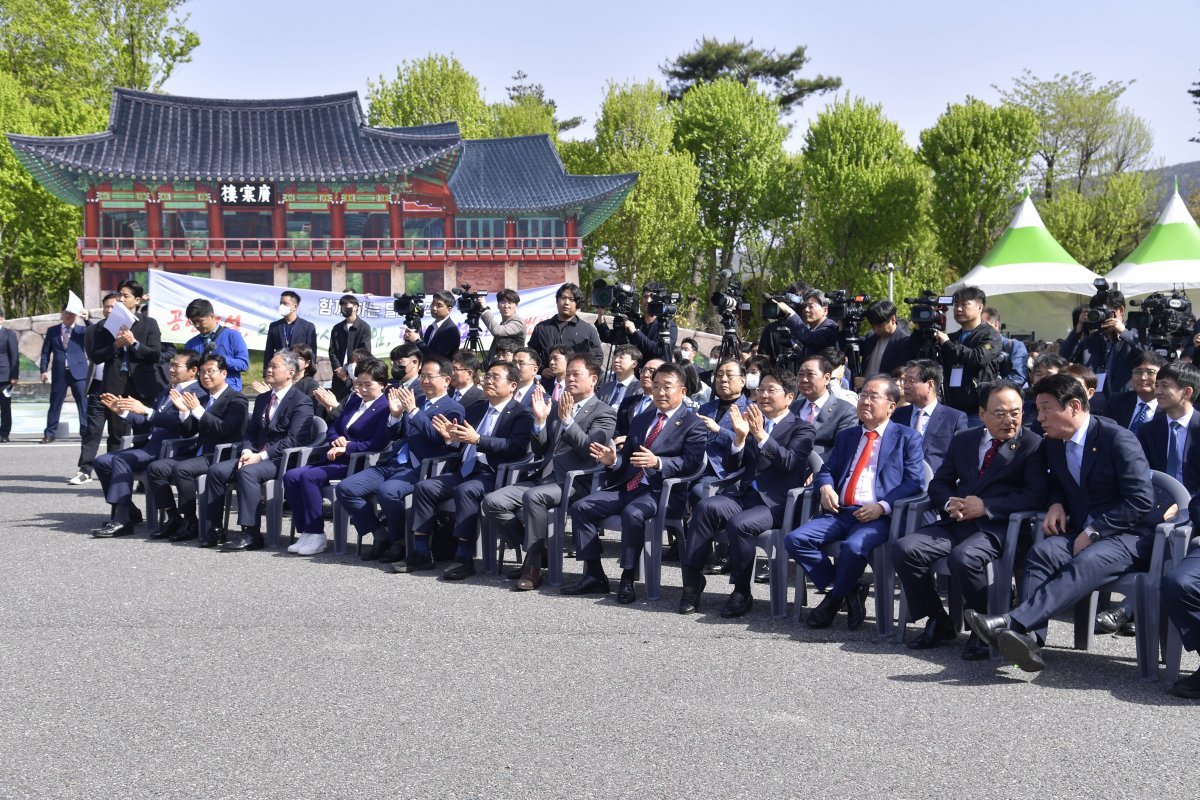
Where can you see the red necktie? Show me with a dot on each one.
(271, 406)
(863, 460)
(989, 455)
(633, 483)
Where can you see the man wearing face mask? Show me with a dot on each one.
(406, 367)
(344, 339)
(289, 330)
(213, 337)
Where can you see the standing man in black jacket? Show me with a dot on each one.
(131, 358)
(971, 356)
(344, 339)
(10, 372)
(566, 327)
(886, 346)
(289, 329)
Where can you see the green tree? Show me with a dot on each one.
(653, 235)
(1102, 226)
(524, 116)
(711, 59)
(866, 200)
(433, 89)
(524, 89)
(978, 154)
(734, 134)
(147, 40)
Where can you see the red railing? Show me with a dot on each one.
(189, 250)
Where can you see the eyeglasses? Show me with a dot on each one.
(647, 372)
(425, 376)
(770, 389)
(494, 376)
(875, 398)
(211, 371)
(1000, 414)
(1145, 372)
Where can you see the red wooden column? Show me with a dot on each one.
(154, 220)
(216, 225)
(448, 230)
(279, 224)
(510, 232)
(571, 228)
(91, 214)
(396, 216)
(337, 220)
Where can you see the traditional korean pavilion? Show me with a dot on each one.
(304, 193)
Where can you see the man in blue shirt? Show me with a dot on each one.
(213, 337)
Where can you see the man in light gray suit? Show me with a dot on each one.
(563, 432)
(817, 406)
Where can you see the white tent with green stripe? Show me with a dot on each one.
(1168, 258)
(1030, 279)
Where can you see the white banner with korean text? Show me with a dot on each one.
(249, 308)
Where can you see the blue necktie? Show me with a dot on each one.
(1139, 417)
(1174, 464)
(768, 427)
(470, 453)
(1075, 460)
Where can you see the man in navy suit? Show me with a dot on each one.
(279, 420)
(1134, 408)
(10, 372)
(811, 328)
(887, 346)
(1097, 528)
(870, 469)
(936, 422)
(493, 433)
(463, 389)
(665, 442)
(624, 383)
(442, 337)
(116, 469)
(817, 406)
(984, 478)
(529, 369)
(772, 446)
(216, 417)
(64, 365)
(289, 330)
(410, 420)
(1181, 597)
(636, 404)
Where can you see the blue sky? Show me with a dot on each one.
(913, 58)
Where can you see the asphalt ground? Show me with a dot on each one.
(139, 669)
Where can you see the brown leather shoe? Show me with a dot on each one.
(528, 581)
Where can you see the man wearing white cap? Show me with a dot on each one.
(64, 365)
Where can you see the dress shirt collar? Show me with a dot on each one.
(1081, 434)
(182, 386)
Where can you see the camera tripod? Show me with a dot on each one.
(731, 343)
(474, 341)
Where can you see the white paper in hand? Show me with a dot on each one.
(118, 318)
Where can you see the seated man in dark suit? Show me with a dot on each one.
(817, 406)
(563, 433)
(635, 404)
(773, 446)
(729, 392)
(1097, 528)
(216, 417)
(391, 481)
(289, 330)
(493, 433)
(1181, 598)
(116, 469)
(529, 370)
(664, 442)
(936, 422)
(279, 420)
(887, 346)
(983, 479)
(625, 381)
(1137, 406)
(464, 373)
(858, 485)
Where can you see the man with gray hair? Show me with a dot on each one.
(279, 420)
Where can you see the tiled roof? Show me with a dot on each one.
(524, 174)
(163, 137)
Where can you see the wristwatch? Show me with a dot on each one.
(1092, 533)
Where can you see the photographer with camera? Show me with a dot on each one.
(1101, 341)
(971, 357)
(504, 324)
(811, 328)
(775, 337)
(887, 346)
(442, 337)
(648, 335)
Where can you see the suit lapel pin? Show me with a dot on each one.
(676, 423)
(1012, 446)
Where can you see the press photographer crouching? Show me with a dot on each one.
(1101, 341)
(657, 332)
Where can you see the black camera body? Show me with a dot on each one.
(1099, 309)
(848, 309)
(1166, 321)
(770, 309)
(664, 305)
(619, 298)
(469, 302)
(411, 307)
(927, 314)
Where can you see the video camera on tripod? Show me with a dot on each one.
(1166, 321)
(927, 314)
(619, 298)
(850, 311)
(472, 304)
(1099, 309)
(412, 308)
(729, 304)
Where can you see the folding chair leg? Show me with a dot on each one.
(554, 551)
(1146, 613)
(1085, 621)
(491, 544)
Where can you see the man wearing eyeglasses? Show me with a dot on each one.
(1134, 408)
(983, 479)
(633, 405)
(817, 406)
(566, 327)
(772, 445)
(462, 381)
(936, 422)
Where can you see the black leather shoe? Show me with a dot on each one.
(246, 540)
(588, 584)
(822, 616)
(172, 526)
(625, 592)
(937, 630)
(113, 529)
(514, 574)
(416, 565)
(209, 540)
(459, 570)
(762, 573)
(985, 627)
(190, 531)
(1187, 688)
(975, 650)
(689, 603)
(135, 516)
(1112, 620)
(47, 439)
(396, 551)
(737, 605)
(856, 606)
(376, 550)
(718, 567)
(1020, 649)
